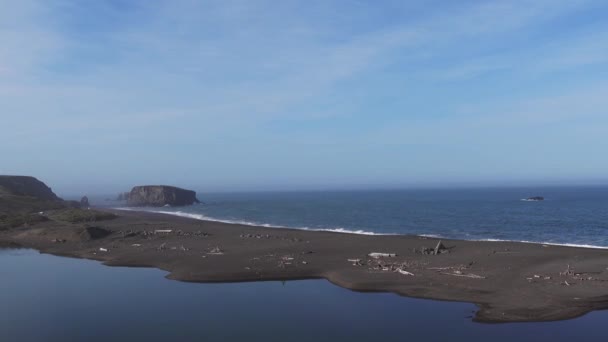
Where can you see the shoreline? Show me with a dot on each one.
(509, 281)
(201, 217)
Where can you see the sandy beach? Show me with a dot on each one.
(509, 281)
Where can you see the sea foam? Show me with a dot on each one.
(253, 224)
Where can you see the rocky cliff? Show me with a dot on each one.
(22, 198)
(160, 195)
(26, 186)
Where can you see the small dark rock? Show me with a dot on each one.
(535, 198)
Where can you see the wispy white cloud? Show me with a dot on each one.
(202, 71)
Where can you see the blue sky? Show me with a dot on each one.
(250, 95)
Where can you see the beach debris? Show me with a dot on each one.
(216, 251)
(582, 276)
(384, 266)
(136, 245)
(506, 251)
(304, 262)
(163, 231)
(285, 260)
(101, 249)
(566, 283)
(538, 276)
(440, 248)
(182, 248)
(466, 275)
(162, 247)
(404, 272)
(257, 236)
(567, 272)
(355, 262)
(377, 255)
(457, 271)
(59, 240)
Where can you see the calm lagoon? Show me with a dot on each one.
(50, 298)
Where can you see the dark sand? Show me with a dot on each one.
(508, 281)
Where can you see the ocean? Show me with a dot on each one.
(575, 216)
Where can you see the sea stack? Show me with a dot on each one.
(160, 195)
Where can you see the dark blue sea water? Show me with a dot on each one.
(569, 215)
(49, 298)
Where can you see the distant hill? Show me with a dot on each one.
(25, 201)
(26, 186)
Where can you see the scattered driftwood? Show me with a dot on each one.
(162, 247)
(537, 276)
(163, 231)
(285, 260)
(397, 267)
(440, 248)
(215, 251)
(404, 272)
(355, 262)
(150, 234)
(256, 236)
(457, 271)
(268, 236)
(136, 245)
(377, 255)
(101, 249)
(567, 272)
(582, 276)
(466, 275)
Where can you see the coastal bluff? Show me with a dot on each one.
(26, 186)
(160, 195)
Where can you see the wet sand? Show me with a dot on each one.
(509, 281)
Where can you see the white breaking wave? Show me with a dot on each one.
(546, 243)
(434, 236)
(344, 230)
(254, 224)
